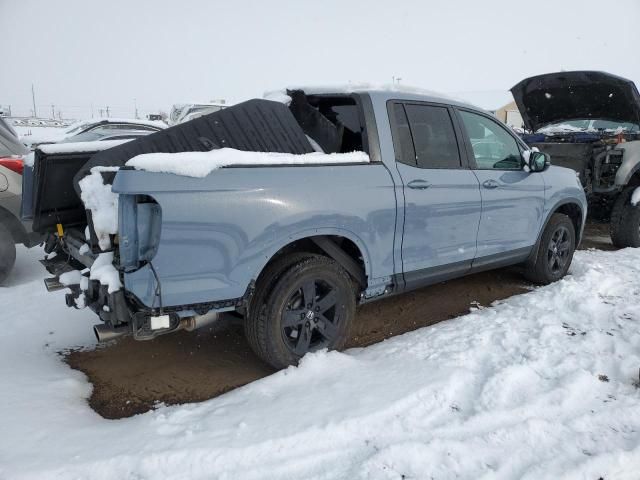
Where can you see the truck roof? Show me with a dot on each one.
(381, 92)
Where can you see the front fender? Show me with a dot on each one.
(630, 162)
(577, 200)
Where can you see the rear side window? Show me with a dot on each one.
(433, 135)
(402, 141)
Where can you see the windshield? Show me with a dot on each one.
(591, 125)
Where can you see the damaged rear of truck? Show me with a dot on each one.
(152, 253)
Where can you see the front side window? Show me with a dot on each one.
(434, 138)
(493, 147)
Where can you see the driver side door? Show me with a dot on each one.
(512, 198)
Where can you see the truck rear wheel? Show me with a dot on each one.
(555, 252)
(302, 303)
(625, 221)
(7, 252)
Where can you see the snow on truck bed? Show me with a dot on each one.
(537, 386)
(201, 164)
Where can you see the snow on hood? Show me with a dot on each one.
(563, 96)
(201, 164)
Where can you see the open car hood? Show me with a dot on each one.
(562, 96)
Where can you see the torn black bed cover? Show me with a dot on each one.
(255, 125)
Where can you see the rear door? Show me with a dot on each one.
(512, 198)
(441, 195)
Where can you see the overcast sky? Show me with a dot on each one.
(80, 53)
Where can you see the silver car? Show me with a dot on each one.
(12, 229)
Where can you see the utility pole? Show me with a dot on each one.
(135, 106)
(107, 111)
(53, 111)
(33, 99)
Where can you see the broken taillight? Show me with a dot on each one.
(13, 164)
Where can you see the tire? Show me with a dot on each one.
(7, 252)
(625, 221)
(302, 303)
(555, 251)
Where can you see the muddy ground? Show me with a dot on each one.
(132, 377)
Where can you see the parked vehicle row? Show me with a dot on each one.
(98, 130)
(12, 230)
(292, 249)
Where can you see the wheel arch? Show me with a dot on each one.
(574, 210)
(344, 247)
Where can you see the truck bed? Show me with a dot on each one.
(255, 125)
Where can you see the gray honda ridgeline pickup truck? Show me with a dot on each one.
(291, 250)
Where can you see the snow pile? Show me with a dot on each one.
(201, 164)
(537, 386)
(104, 271)
(28, 159)
(103, 204)
(279, 96)
(72, 277)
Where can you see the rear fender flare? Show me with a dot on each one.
(274, 247)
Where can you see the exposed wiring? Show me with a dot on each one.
(158, 291)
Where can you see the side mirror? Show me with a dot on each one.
(539, 161)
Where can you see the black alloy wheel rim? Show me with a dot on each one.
(311, 317)
(558, 251)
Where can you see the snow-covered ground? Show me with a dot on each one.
(538, 386)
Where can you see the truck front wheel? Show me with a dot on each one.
(555, 252)
(7, 252)
(625, 221)
(300, 305)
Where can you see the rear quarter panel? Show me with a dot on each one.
(218, 232)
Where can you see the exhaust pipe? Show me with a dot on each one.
(192, 323)
(104, 333)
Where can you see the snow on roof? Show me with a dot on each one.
(80, 147)
(201, 164)
(93, 121)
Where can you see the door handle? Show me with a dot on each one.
(418, 184)
(490, 184)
